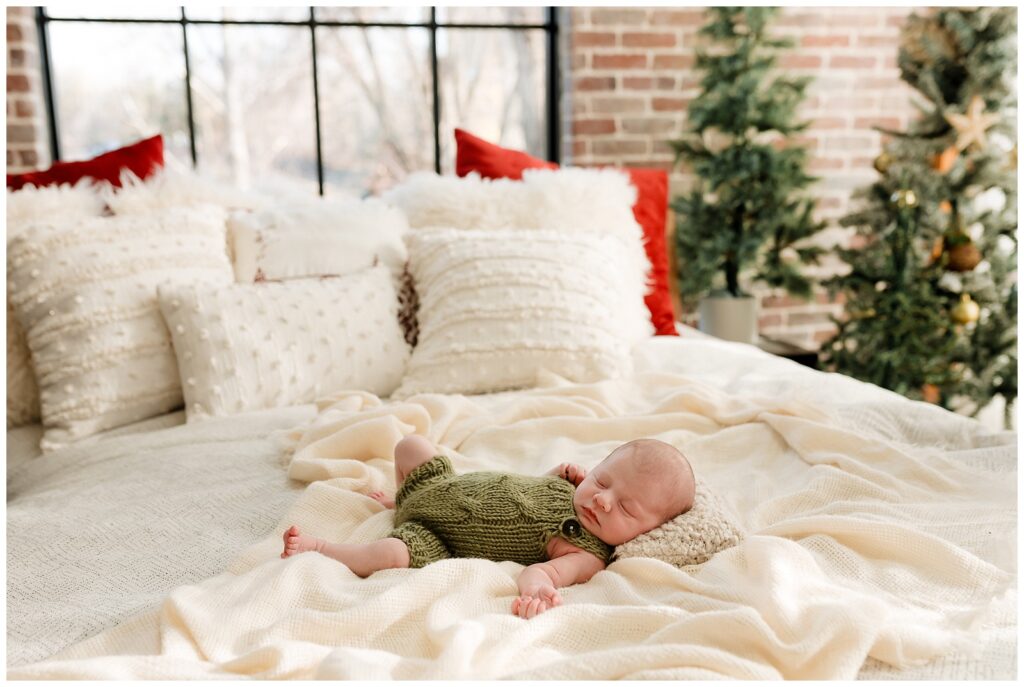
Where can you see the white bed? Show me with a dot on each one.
(160, 546)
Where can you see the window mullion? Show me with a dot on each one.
(316, 106)
(188, 92)
(436, 89)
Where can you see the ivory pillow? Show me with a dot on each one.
(27, 205)
(253, 346)
(572, 201)
(691, 538)
(497, 307)
(85, 293)
(316, 238)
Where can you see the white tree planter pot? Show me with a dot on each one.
(729, 318)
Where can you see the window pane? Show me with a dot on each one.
(406, 15)
(114, 11)
(493, 85)
(376, 106)
(491, 15)
(243, 13)
(252, 94)
(132, 89)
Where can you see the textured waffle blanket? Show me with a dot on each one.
(881, 543)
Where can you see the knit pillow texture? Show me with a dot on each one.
(85, 293)
(474, 154)
(245, 347)
(25, 206)
(691, 538)
(498, 307)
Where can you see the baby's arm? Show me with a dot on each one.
(569, 471)
(539, 583)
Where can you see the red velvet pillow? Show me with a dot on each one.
(142, 158)
(490, 161)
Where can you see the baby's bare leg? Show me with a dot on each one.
(411, 452)
(362, 559)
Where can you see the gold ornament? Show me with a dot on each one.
(937, 249)
(882, 163)
(966, 311)
(715, 140)
(972, 125)
(943, 162)
(904, 198)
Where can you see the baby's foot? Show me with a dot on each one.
(382, 498)
(296, 542)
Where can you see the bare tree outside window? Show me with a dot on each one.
(253, 108)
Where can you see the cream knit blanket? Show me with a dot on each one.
(879, 530)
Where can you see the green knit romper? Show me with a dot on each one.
(494, 515)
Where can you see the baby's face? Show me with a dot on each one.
(616, 503)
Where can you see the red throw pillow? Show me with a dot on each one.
(142, 158)
(473, 154)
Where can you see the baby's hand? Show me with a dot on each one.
(572, 472)
(535, 600)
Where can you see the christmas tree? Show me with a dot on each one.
(744, 216)
(931, 293)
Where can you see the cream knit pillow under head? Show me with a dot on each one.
(690, 538)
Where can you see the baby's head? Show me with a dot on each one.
(640, 485)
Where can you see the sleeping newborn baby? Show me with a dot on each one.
(562, 525)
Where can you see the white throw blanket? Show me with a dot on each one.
(880, 530)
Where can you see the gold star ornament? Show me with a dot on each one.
(971, 126)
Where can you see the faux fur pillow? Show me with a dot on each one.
(174, 187)
(25, 206)
(691, 538)
(253, 346)
(86, 294)
(498, 307)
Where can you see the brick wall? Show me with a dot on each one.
(631, 79)
(27, 146)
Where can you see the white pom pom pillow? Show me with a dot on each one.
(498, 307)
(253, 346)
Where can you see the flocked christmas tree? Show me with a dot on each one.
(745, 220)
(931, 294)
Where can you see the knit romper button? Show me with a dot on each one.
(571, 528)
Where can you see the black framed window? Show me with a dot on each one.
(301, 98)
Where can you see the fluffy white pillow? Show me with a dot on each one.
(548, 198)
(27, 205)
(174, 187)
(253, 346)
(497, 307)
(690, 538)
(315, 238)
(85, 292)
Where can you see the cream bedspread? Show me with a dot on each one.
(883, 537)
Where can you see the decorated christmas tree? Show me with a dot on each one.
(744, 216)
(931, 293)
